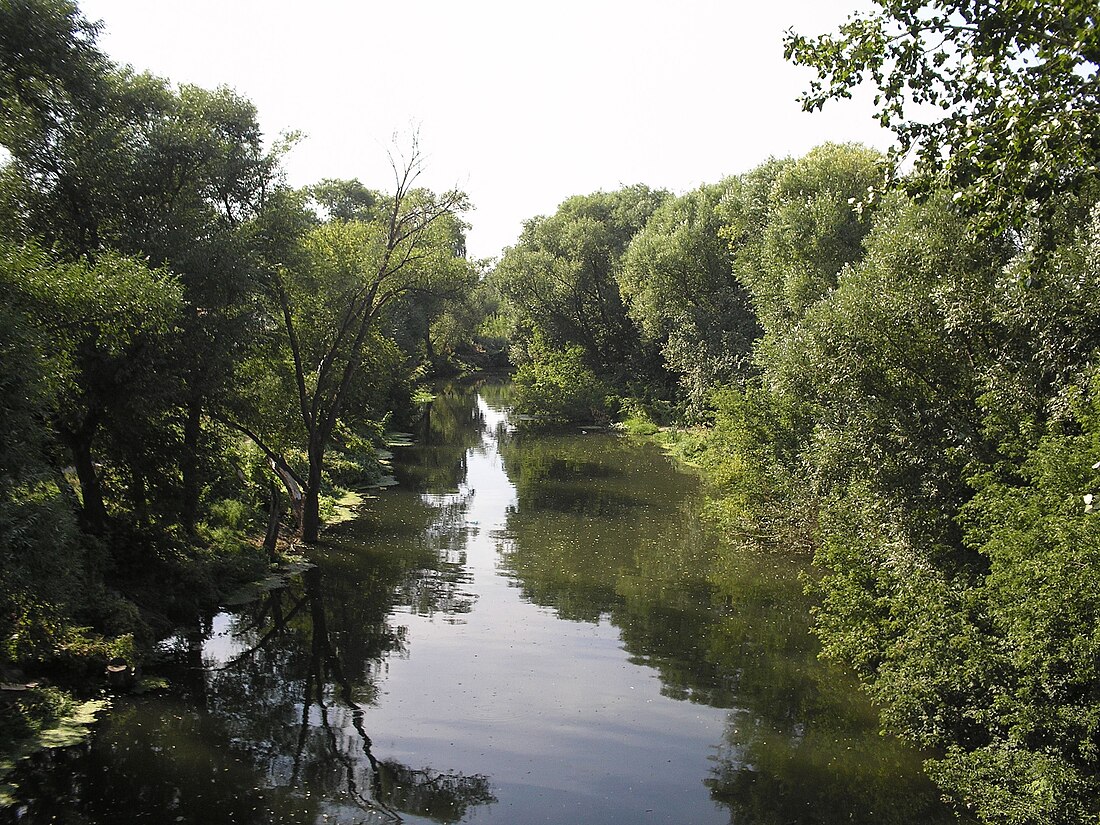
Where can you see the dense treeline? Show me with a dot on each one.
(895, 372)
(193, 355)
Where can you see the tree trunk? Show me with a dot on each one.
(189, 463)
(311, 505)
(311, 496)
(93, 512)
(293, 488)
(275, 515)
(311, 515)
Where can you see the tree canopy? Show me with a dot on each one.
(999, 101)
(168, 298)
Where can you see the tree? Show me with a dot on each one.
(950, 449)
(200, 174)
(817, 210)
(1041, 599)
(40, 564)
(346, 200)
(677, 277)
(103, 159)
(329, 300)
(560, 280)
(106, 324)
(997, 101)
(557, 387)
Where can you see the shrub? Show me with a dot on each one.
(557, 388)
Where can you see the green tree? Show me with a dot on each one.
(557, 387)
(106, 324)
(459, 331)
(329, 301)
(1037, 761)
(817, 211)
(891, 363)
(678, 279)
(103, 159)
(52, 78)
(201, 173)
(950, 454)
(40, 556)
(560, 280)
(346, 200)
(997, 101)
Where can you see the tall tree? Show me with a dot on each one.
(329, 302)
(103, 159)
(817, 210)
(678, 279)
(560, 279)
(108, 324)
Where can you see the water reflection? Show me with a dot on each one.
(308, 660)
(723, 626)
(527, 629)
(270, 721)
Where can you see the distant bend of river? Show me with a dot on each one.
(528, 629)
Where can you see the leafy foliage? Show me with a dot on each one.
(998, 101)
(559, 281)
(816, 211)
(556, 387)
(677, 277)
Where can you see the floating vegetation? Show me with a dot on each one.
(278, 578)
(344, 508)
(396, 439)
(36, 718)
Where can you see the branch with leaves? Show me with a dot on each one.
(999, 101)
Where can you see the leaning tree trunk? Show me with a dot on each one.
(93, 513)
(293, 488)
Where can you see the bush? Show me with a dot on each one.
(557, 388)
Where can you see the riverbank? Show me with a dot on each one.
(53, 699)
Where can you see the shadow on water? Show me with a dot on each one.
(273, 731)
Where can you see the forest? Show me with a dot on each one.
(886, 363)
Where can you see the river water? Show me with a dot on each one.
(528, 629)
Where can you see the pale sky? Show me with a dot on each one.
(521, 104)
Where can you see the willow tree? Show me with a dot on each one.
(559, 283)
(678, 279)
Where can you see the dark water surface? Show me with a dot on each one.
(529, 629)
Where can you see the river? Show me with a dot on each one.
(527, 629)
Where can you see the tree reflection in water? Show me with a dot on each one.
(292, 692)
(621, 539)
(321, 646)
(270, 725)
